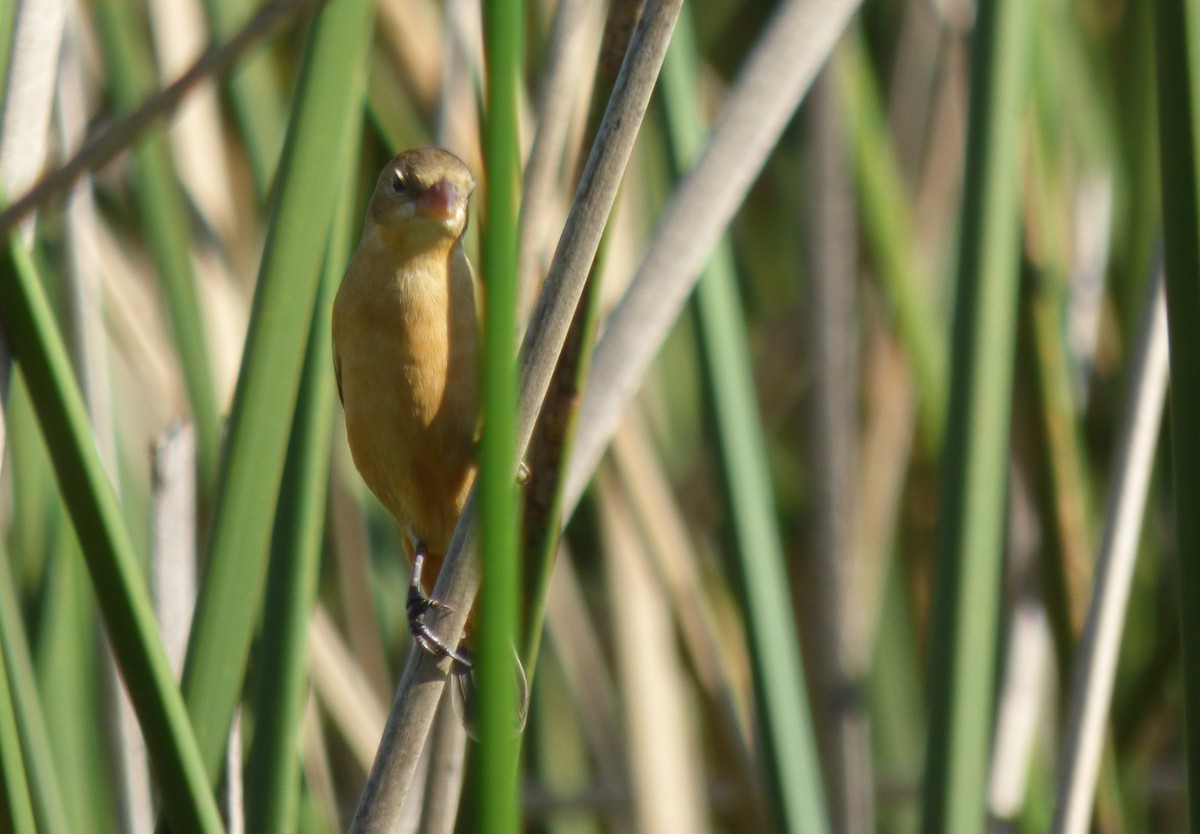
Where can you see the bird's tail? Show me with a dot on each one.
(466, 693)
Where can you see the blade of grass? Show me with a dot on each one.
(26, 464)
(1177, 28)
(77, 679)
(330, 95)
(16, 809)
(897, 707)
(778, 666)
(498, 602)
(967, 583)
(1135, 107)
(119, 586)
(29, 93)
(272, 773)
(794, 768)
(45, 790)
(67, 665)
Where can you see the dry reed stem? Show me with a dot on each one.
(794, 45)
(1096, 662)
(667, 784)
(566, 60)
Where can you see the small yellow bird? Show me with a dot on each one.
(406, 355)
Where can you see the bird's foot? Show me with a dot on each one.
(417, 605)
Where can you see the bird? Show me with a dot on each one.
(406, 352)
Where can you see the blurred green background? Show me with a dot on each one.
(834, 572)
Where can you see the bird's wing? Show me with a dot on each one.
(337, 372)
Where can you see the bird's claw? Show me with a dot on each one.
(417, 604)
(417, 599)
(433, 645)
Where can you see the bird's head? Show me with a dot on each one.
(421, 198)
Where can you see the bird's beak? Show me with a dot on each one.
(439, 201)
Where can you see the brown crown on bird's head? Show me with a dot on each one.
(422, 194)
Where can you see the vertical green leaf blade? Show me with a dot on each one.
(44, 785)
(272, 774)
(16, 809)
(791, 751)
(330, 94)
(967, 586)
(1178, 27)
(498, 606)
(120, 588)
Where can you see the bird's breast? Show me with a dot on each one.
(407, 351)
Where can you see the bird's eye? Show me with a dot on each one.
(399, 183)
